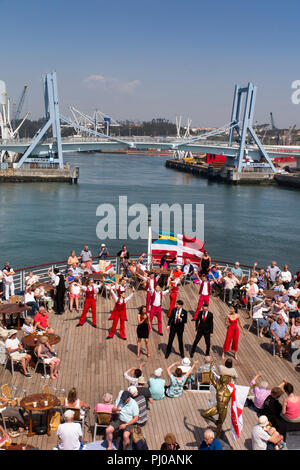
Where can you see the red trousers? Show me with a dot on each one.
(156, 311)
(203, 299)
(232, 337)
(87, 304)
(173, 297)
(115, 324)
(148, 300)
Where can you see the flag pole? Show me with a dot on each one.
(149, 241)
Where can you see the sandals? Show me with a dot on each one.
(149, 355)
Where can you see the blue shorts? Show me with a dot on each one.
(294, 314)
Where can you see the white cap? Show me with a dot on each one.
(185, 361)
(158, 372)
(132, 390)
(263, 421)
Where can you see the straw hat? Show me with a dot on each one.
(43, 339)
(11, 333)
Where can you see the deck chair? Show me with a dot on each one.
(12, 392)
(12, 362)
(102, 420)
(203, 381)
(49, 390)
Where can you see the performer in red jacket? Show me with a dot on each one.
(204, 292)
(155, 304)
(173, 289)
(119, 289)
(90, 291)
(150, 287)
(119, 314)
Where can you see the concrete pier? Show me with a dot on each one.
(32, 175)
(225, 174)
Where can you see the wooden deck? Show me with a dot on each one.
(94, 366)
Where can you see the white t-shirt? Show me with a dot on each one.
(260, 438)
(69, 435)
(12, 343)
(29, 297)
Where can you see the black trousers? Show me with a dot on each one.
(60, 301)
(199, 335)
(175, 330)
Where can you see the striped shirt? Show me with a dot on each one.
(142, 404)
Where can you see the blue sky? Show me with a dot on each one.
(138, 60)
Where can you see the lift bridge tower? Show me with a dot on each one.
(52, 120)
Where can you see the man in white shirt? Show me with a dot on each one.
(261, 439)
(16, 351)
(69, 433)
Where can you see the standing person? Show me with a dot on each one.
(143, 330)
(205, 263)
(90, 302)
(8, 275)
(103, 254)
(173, 289)
(177, 320)
(232, 336)
(165, 264)
(74, 294)
(60, 288)
(119, 314)
(150, 287)
(72, 259)
(204, 327)
(156, 303)
(86, 257)
(272, 273)
(124, 257)
(204, 294)
(286, 277)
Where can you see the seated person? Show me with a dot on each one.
(291, 405)
(263, 313)
(227, 369)
(16, 351)
(144, 390)
(142, 404)
(177, 273)
(261, 392)
(69, 433)
(157, 385)
(264, 436)
(8, 411)
(128, 411)
(28, 327)
(177, 380)
(30, 300)
(170, 442)
(72, 401)
(292, 309)
(41, 321)
(210, 442)
(70, 278)
(295, 330)
(206, 366)
(214, 278)
(137, 373)
(280, 332)
(45, 352)
(106, 405)
(188, 271)
(32, 278)
(230, 286)
(138, 440)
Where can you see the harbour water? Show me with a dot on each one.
(42, 222)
